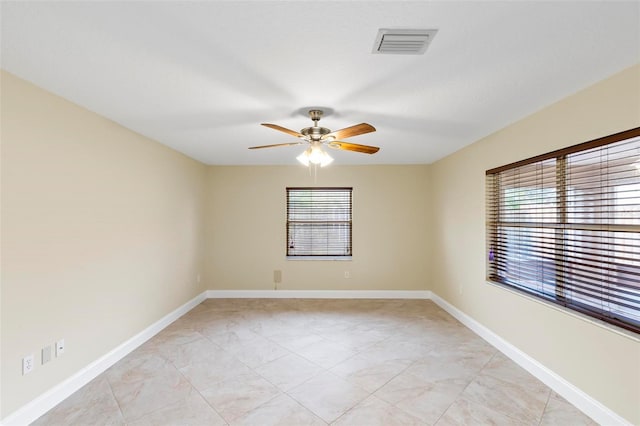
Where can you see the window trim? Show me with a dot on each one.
(329, 257)
(344, 258)
(493, 222)
(596, 143)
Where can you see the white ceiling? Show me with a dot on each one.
(201, 76)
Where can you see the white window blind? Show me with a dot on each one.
(319, 221)
(565, 227)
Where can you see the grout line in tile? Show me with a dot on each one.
(544, 410)
(113, 395)
(299, 307)
(207, 402)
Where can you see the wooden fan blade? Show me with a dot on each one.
(347, 132)
(366, 149)
(278, 144)
(284, 129)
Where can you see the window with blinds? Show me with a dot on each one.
(565, 227)
(319, 221)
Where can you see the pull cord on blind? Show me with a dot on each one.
(565, 227)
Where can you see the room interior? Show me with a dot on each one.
(129, 194)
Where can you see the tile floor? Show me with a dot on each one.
(315, 362)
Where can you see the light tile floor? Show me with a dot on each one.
(315, 362)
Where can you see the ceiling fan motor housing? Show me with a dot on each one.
(315, 133)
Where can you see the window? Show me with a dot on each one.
(319, 221)
(565, 227)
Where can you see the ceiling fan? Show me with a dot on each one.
(317, 136)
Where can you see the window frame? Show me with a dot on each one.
(349, 222)
(554, 250)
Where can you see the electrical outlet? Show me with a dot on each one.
(27, 364)
(46, 354)
(347, 274)
(59, 347)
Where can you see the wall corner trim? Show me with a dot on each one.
(588, 405)
(43, 403)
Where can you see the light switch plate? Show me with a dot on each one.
(46, 354)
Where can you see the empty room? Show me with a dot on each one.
(320, 213)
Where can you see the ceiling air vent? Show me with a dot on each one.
(403, 41)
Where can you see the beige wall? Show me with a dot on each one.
(246, 229)
(104, 232)
(604, 364)
(102, 235)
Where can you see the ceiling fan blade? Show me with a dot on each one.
(366, 149)
(284, 129)
(278, 144)
(347, 132)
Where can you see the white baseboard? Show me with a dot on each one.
(39, 406)
(575, 396)
(319, 294)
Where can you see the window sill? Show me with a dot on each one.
(339, 258)
(578, 315)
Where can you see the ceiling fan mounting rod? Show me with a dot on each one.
(315, 133)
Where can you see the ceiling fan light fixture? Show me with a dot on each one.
(317, 136)
(303, 158)
(314, 155)
(326, 159)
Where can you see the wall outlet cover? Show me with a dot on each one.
(28, 364)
